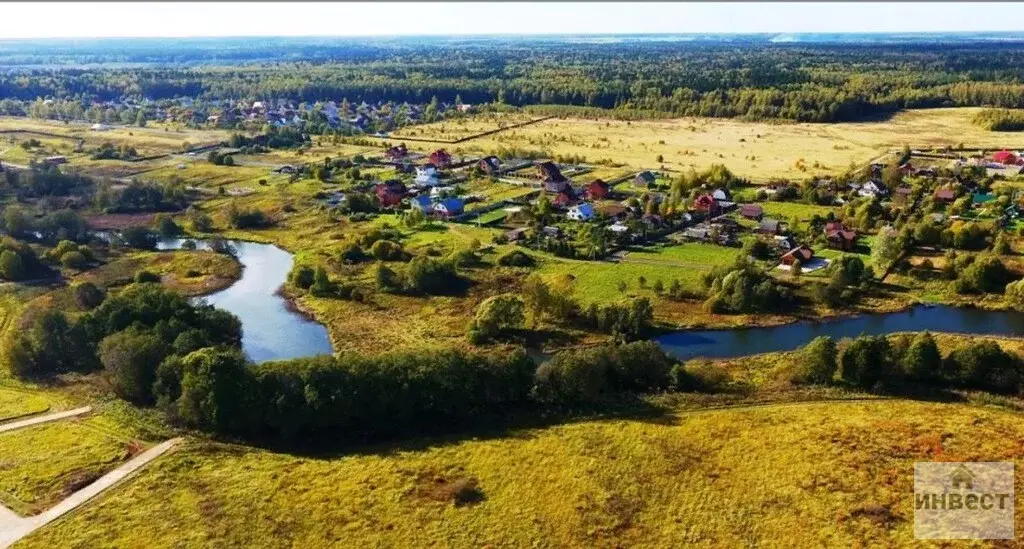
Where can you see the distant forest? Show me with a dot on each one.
(751, 79)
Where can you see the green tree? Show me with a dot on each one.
(11, 266)
(216, 389)
(922, 360)
(887, 248)
(866, 362)
(130, 359)
(816, 363)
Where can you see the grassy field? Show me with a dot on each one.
(15, 403)
(794, 211)
(461, 128)
(153, 139)
(189, 272)
(758, 150)
(812, 474)
(42, 465)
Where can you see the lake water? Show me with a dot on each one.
(270, 330)
(749, 341)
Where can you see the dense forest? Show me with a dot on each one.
(753, 79)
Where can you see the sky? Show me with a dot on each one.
(95, 19)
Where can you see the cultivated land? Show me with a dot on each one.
(758, 150)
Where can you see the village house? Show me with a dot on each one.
(945, 194)
(396, 153)
(707, 204)
(581, 212)
(771, 226)
(285, 169)
(549, 173)
(721, 195)
(564, 198)
(784, 243)
(1005, 157)
(558, 187)
(644, 180)
(902, 194)
(423, 203)
(517, 234)
(872, 189)
(752, 211)
(449, 207)
(490, 165)
(390, 193)
(426, 176)
(596, 190)
(801, 253)
(614, 211)
(440, 158)
(55, 160)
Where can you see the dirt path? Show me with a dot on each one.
(20, 424)
(14, 528)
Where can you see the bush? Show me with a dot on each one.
(322, 285)
(52, 345)
(426, 275)
(88, 295)
(495, 315)
(302, 276)
(74, 260)
(985, 275)
(139, 237)
(147, 277)
(387, 250)
(516, 258)
(986, 366)
(589, 375)
(216, 390)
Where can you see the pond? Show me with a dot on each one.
(270, 329)
(749, 341)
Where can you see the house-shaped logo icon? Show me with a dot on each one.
(961, 478)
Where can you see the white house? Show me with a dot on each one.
(581, 212)
(100, 127)
(720, 195)
(427, 176)
(618, 227)
(872, 189)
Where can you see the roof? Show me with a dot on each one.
(646, 175)
(945, 194)
(801, 252)
(979, 198)
(586, 208)
(550, 171)
(1004, 157)
(751, 209)
(770, 224)
(451, 204)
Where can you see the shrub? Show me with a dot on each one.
(985, 365)
(426, 275)
(866, 362)
(144, 277)
(516, 258)
(302, 276)
(985, 275)
(139, 237)
(589, 375)
(74, 260)
(387, 250)
(497, 314)
(922, 361)
(88, 295)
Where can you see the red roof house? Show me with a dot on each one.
(390, 193)
(945, 195)
(707, 203)
(1005, 157)
(752, 211)
(563, 199)
(801, 253)
(597, 190)
(440, 158)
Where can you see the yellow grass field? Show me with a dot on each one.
(461, 128)
(796, 475)
(148, 140)
(759, 150)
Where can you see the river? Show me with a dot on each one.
(273, 331)
(270, 329)
(748, 341)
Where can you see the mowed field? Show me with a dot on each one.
(797, 475)
(759, 150)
